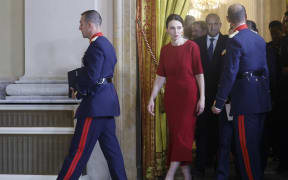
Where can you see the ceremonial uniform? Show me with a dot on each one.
(95, 115)
(246, 79)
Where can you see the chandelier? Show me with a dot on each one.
(202, 5)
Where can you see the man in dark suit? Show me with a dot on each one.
(198, 29)
(283, 94)
(273, 121)
(188, 26)
(245, 77)
(212, 49)
(95, 115)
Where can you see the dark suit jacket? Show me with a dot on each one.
(284, 64)
(212, 69)
(246, 52)
(101, 100)
(274, 66)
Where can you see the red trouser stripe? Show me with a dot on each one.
(245, 154)
(80, 148)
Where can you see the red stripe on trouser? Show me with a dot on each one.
(241, 136)
(245, 154)
(80, 148)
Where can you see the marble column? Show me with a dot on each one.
(53, 46)
(126, 78)
(97, 167)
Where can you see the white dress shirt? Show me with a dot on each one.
(214, 42)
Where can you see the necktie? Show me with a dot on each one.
(210, 49)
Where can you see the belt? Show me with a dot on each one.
(249, 74)
(93, 89)
(104, 81)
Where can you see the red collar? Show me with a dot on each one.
(94, 35)
(241, 27)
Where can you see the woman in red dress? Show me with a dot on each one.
(180, 67)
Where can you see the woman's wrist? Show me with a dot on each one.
(202, 98)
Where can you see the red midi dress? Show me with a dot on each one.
(179, 65)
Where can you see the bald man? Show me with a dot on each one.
(246, 79)
(211, 47)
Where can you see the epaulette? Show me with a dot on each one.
(94, 39)
(233, 34)
(254, 31)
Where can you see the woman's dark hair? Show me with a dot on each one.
(172, 17)
(252, 25)
(275, 23)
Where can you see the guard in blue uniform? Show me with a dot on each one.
(95, 115)
(246, 79)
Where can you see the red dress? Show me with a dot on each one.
(180, 64)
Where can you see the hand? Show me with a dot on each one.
(150, 107)
(200, 106)
(74, 93)
(214, 109)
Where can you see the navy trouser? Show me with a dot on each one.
(248, 130)
(207, 132)
(225, 144)
(87, 132)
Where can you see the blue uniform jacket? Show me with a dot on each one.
(246, 52)
(101, 100)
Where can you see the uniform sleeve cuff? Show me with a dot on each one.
(220, 103)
